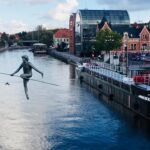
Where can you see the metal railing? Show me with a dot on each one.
(108, 71)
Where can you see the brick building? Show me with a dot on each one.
(72, 33)
(134, 37)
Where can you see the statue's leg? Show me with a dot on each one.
(25, 81)
(26, 76)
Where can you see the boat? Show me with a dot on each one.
(129, 87)
(39, 48)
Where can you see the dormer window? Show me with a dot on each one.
(143, 37)
(146, 37)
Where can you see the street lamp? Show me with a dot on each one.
(126, 54)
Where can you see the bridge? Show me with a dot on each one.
(29, 42)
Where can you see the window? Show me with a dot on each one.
(133, 46)
(146, 37)
(144, 46)
(71, 23)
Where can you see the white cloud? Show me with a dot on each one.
(62, 10)
(7, 2)
(38, 1)
(14, 26)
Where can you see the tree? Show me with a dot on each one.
(107, 40)
(46, 37)
(23, 35)
(40, 28)
(4, 37)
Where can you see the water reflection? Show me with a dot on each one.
(66, 117)
(72, 71)
(136, 121)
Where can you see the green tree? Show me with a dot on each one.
(107, 40)
(23, 35)
(4, 37)
(40, 34)
(46, 37)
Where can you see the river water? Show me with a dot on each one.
(65, 117)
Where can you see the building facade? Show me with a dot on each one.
(62, 35)
(134, 38)
(86, 25)
(72, 33)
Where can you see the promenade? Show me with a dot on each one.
(66, 57)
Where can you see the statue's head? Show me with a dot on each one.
(25, 57)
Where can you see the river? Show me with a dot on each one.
(65, 117)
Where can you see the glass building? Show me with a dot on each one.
(86, 25)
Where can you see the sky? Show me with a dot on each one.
(26, 15)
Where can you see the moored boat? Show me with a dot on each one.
(39, 48)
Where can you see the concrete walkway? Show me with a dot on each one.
(65, 56)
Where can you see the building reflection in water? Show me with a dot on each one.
(136, 121)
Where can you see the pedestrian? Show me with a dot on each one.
(27, 72)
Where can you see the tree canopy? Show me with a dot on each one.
(40, 34)
(107, 40)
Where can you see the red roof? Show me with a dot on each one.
(62, 33)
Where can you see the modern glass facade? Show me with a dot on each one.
(86, 25)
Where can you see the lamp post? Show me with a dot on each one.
(126, 54)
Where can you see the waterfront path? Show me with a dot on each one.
(65, 56)
(95, 66)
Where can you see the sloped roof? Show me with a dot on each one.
(101, 24)
(132, 31)
(62, 33)
(113, 16)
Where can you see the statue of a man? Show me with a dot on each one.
(27, 72)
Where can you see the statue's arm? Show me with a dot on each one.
(36, 69)
(17, 70)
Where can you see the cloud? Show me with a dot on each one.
(13, 26)
(62, 10)
(131, 5)
(7, 2)
(38, 1)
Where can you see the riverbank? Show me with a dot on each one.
(17, 47)
(3, 49)
(110, 83)
(65, 57)
(13, 48)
